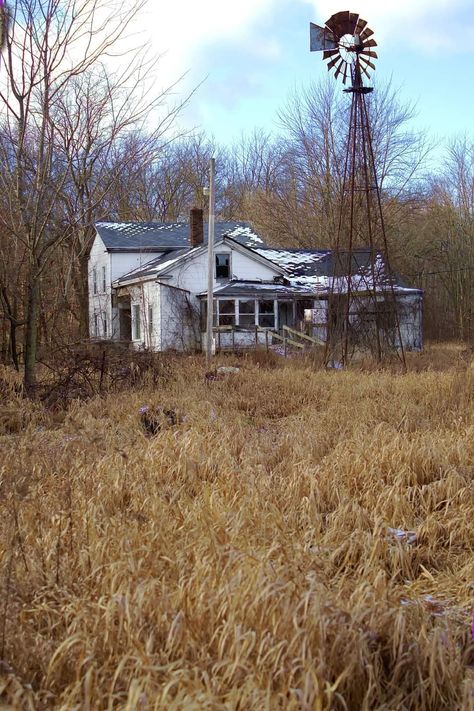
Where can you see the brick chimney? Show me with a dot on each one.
(196, 227)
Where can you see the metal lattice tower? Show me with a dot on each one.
(362, 304)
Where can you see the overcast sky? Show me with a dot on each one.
(252, 53)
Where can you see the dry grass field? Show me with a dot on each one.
(299, 539)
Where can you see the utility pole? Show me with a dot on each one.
(210, 261)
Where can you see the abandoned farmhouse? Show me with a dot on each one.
(148, 286)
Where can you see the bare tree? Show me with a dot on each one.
(448, 252)
(52, 47)
(302, 206)
(103, 137)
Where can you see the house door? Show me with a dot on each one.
(286, 314)
(125, 318)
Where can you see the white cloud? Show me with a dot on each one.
(428, 25)
(240, 44)
(182, 29)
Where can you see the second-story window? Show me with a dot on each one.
(94, 281)
(222, 266)
(104, 279)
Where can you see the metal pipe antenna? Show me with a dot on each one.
(210, 262)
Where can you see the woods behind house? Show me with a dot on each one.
(80, 143)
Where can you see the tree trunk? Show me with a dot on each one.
(82, 291)
(10, 316)
(31, 335)
(13, 346)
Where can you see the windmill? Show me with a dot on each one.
(362, 312)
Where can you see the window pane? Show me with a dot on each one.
(247, 320)
(267, 321)
(150, 320)
(204, 314)
(226, 320)
(136, 321)
(247, 306)
(222, 266)
(227, 307)
(104, 281)
(266, 307)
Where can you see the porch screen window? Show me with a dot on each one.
(266, 314)
(222, 266)
(227, 313)
(247, 313)
(136, 322)
(204, 314)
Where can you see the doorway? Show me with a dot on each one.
(125, 318)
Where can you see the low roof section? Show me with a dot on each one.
(261, 289)
(316, 269)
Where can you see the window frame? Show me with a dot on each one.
(232, 315)
(136, 322)
(247, 314)
(150, 322)
(228, 255)
(267, 314)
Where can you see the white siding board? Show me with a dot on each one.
(100, 303)
(179, 319)
(191, 274)
(124, 262)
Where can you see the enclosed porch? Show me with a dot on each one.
(260, 319)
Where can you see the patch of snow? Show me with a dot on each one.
(401, 535)
(288, 259)
(246, 232)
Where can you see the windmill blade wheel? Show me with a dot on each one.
(346, 41)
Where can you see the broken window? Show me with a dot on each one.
(222, 266)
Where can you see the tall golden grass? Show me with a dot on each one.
(301, 539)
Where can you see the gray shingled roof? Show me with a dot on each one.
(264, 289)
(166, 235)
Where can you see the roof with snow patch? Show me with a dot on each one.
(157, 236)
